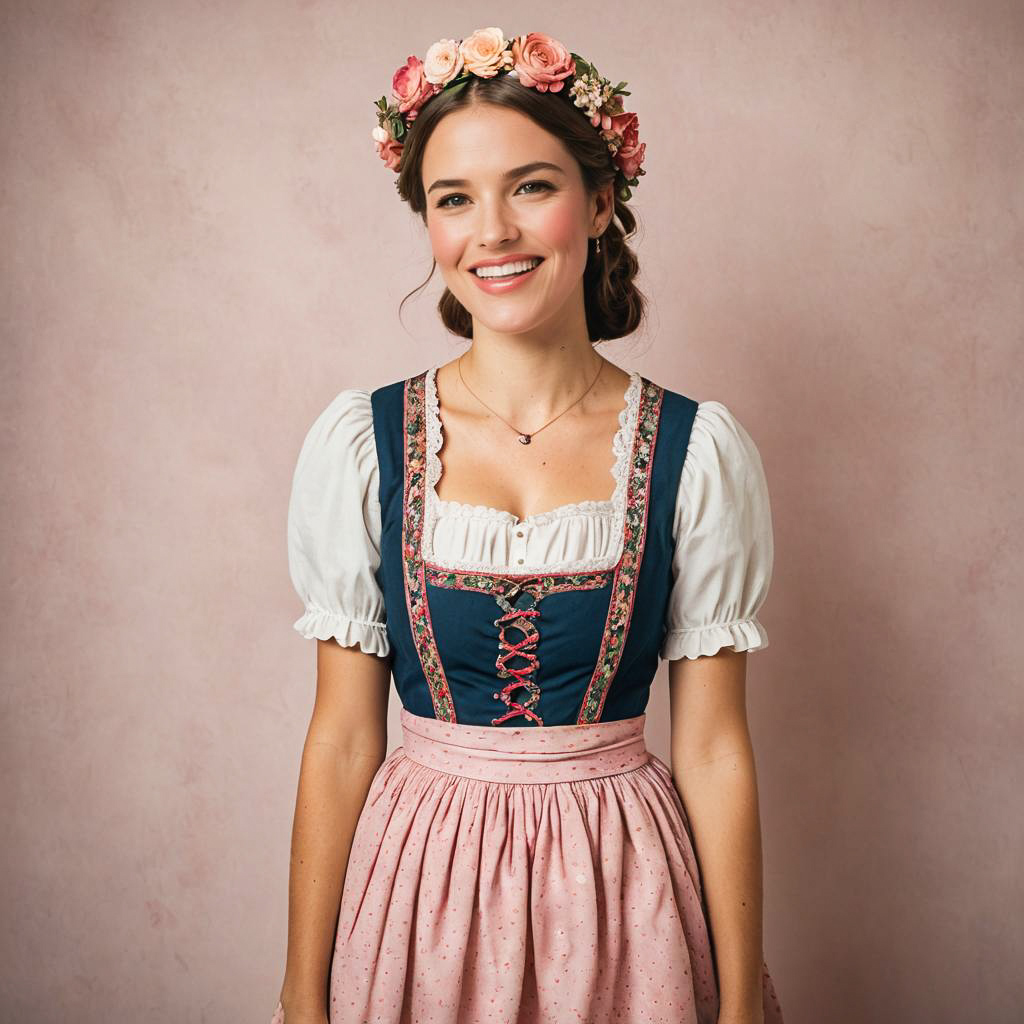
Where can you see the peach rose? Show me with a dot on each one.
(443, 62)
(631, 153)
(485, 53)
(410, 89)
(542, 62)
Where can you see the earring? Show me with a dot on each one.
(597, 244)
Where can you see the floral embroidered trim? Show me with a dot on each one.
(502, 585)
(540, 586)
(620, 609)
(434, 506)
(412, 564)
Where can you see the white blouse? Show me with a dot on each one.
(722, 529)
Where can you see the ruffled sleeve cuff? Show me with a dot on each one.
(321, 624)
(741, 635)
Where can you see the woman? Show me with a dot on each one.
(523, 857)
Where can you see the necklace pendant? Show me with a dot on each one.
(524, 438)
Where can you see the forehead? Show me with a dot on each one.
(485, 141)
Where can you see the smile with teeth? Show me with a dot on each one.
(507, 269)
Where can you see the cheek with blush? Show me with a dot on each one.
(447, 245)
(561, 231)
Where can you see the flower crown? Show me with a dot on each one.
(538, 62)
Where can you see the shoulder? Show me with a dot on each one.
(717, 428)
(350, 408)
(340, 442)
(723, 478)
(347, 416)
(722, 457)
(332, 507)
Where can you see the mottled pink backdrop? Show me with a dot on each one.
(200, 249)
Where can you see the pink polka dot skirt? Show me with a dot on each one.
(520, 876)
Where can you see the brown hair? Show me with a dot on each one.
(613, 304)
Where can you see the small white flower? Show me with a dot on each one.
(379, 134)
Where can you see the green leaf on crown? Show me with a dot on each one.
(583, 66)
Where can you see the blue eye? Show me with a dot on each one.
(544, 185)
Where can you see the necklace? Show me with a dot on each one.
(523, 437)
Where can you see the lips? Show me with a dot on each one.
(535, 260)
(515, 257)
(500, 285)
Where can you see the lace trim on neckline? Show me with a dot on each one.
(622, 447)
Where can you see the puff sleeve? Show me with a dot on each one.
(724, 548)
(334, 527)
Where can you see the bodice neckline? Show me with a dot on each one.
(622, 447)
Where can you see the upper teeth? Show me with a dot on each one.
(506, 268)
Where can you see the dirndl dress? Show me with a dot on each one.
(522, 857)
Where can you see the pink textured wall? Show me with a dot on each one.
(200, 249)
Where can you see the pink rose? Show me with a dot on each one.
(485, 53)
(410, 88)
(389, 151)
(443, 62)
(631, 153)
(542, 62)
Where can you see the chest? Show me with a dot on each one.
(567, 463)
(478, 463)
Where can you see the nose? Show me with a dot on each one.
(497, 224)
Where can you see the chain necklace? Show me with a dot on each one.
(523, 437)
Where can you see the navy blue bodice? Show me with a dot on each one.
(497, 648)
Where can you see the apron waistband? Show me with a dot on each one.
(533, 754)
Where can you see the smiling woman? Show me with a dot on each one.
(451, 146)
(522, 856)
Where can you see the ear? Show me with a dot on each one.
(603, 208)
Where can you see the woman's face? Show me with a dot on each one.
(481, 205)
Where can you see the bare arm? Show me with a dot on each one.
(713, 769)
(345, 745)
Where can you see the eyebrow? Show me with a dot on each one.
(537, 165)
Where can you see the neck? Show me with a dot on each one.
(529, 383)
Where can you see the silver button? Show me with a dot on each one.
(519, 533)
(519, 561)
